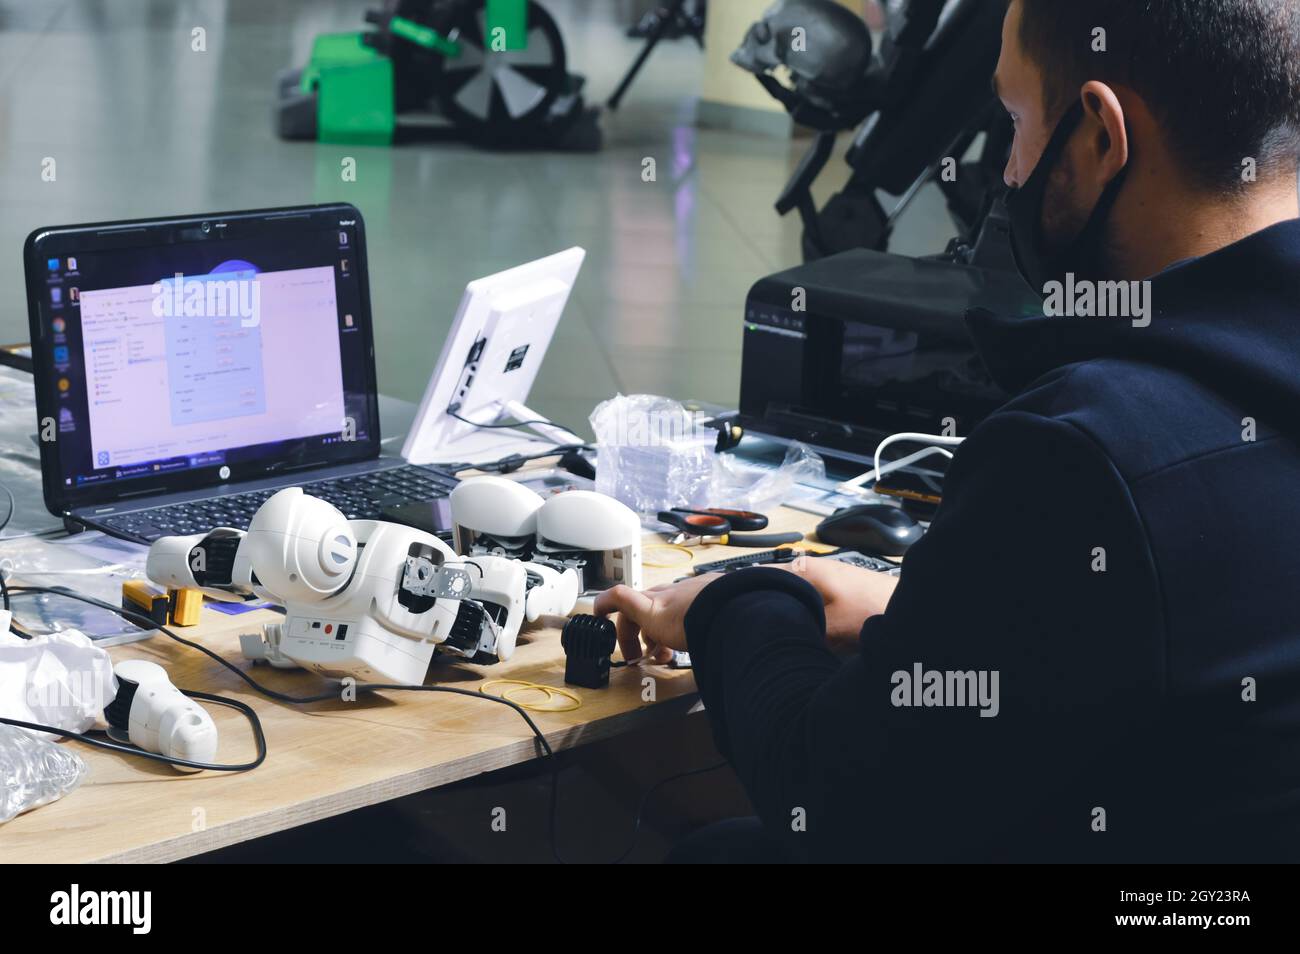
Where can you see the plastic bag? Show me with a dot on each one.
(91, 564)
(736, 486)
(34, 772)
(62, 680)
(653, 454)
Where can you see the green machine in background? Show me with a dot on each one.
(492, 72)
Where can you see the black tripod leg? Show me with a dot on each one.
(697, 23)
(670, 13)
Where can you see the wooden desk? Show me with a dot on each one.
(332, 757)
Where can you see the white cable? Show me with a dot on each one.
(47, 532)
(856, 485)
(8, 568)
(873, 476)
(86, 571)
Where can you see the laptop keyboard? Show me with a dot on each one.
(359, 497)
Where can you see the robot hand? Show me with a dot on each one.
(506, 593)
(156, 716)
(551, 591)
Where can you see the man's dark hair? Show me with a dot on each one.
(1222, 77)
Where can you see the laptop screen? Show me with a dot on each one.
(170, 364)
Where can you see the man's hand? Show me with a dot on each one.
(850, 593)
(657, 616)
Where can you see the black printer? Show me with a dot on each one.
(843, 351)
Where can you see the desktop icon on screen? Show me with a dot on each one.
(54, 264)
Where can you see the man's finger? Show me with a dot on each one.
(633, 609)
(661, 655)
(628, 632)
(623, 599)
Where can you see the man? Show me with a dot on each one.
(1094, 654)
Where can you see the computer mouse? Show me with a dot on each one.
(873, 529)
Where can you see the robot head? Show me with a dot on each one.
(826, 47)
(604, 531)
(300, 547)
(500, 512)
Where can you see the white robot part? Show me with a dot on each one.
(265, 647)
(497, 507)
(384, 621)
(511, 593)
(576, 524)
(501, 587)
(168, 562)
(362, 599)
(199, 561)
(553, 593)
(297, 548)
(159, 717)
(583, 520)
(371, 600)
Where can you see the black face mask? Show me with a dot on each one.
(1083, 255)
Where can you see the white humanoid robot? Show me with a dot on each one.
(363, 598)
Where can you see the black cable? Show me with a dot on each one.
(146, 622)
(13, 505)
(512, 462)
(258, 736)
(9, 515)
(491, 427)
(645, 800)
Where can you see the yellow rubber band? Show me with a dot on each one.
(676, 547)
(519, 685)
(509, 694)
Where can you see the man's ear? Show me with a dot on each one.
(1107, 132)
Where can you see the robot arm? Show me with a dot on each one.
(202, 561)
(508, 593)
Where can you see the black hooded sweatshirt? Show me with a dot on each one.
(1120, 546)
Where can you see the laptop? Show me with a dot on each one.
(188, 368)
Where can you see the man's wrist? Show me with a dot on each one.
(716, 600)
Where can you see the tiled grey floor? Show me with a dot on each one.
(139, 124)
